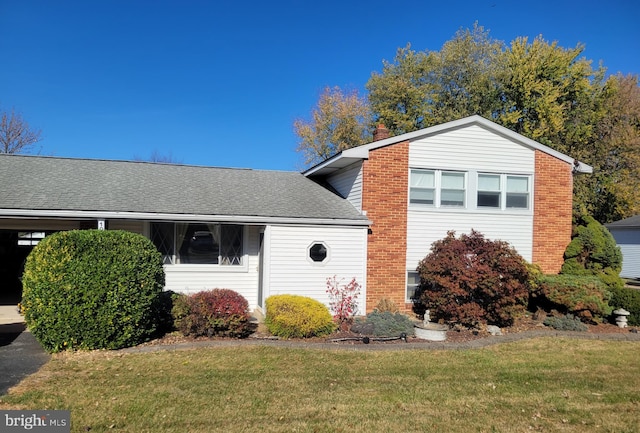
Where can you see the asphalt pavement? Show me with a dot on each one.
(20, 352)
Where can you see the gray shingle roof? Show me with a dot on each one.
(631, 222)
(49, 183)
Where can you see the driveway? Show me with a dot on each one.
(20, 353)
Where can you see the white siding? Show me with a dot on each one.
(424, 228)
(242, 279)
(290, 271)
(471, 149)
(629, 242)
(348, 183)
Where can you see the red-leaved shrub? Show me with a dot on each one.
(471, 280)
(220, 312)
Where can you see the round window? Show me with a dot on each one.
(318, 252)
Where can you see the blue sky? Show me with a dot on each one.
(220, 82)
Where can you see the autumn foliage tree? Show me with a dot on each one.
(546, 92)
(339, 121)
(470, 280)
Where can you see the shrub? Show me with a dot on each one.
(385, 324)
(565, 323)
(629, 299)
(217, 312)
(471, 280)
(343, 299)
(92, 289)
(593, 251)
(386, 305)
(293, 316)
(584, 296)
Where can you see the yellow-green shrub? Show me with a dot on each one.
(294, 316)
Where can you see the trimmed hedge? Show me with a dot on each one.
(294, 316)
(584, 296)
(93, 289)
(220, 312)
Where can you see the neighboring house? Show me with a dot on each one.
(626, 232)
(461, 175)
(257, 232)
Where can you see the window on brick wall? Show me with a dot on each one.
(413, 281)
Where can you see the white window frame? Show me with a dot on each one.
(504, 191)
(438, 188)
(173, 259)
(413, 282)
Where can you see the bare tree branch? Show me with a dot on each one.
(16, 136)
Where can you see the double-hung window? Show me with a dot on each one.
(437, 188)
(199, 243)
(423, 187)
(503, 191)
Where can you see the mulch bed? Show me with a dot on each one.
(459, 335)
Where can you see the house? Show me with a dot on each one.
(370, 212)
(257, 232)
(626, 232)
(461, 175)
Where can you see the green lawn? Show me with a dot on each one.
(543, 384)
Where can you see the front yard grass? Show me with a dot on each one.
(545, 384)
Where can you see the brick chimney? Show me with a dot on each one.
(380, 133)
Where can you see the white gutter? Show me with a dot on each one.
(244, 219)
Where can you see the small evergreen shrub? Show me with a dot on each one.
(217, 312)
(92, 289)
(471, 280)
(386, 305)
(294, 316)
(583, 296)
(629, 299)
(385, 324)
(593, 251)
(565, 323)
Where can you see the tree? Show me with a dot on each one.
(16, 136)
(613, 191)
(339, 121)
(421, 89)
(539, 89)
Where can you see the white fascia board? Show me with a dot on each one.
(240, 219)
(363, 151)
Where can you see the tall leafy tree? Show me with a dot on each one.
(16, 136)
(420, 89)
(613, 191)
(339, 121)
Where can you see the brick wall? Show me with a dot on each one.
(552, 211)
(385, 189)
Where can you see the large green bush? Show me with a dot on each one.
(593, 251)
(582, 295)
(217, 312)
(471, 280)
(93, 289)
(294, 316)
